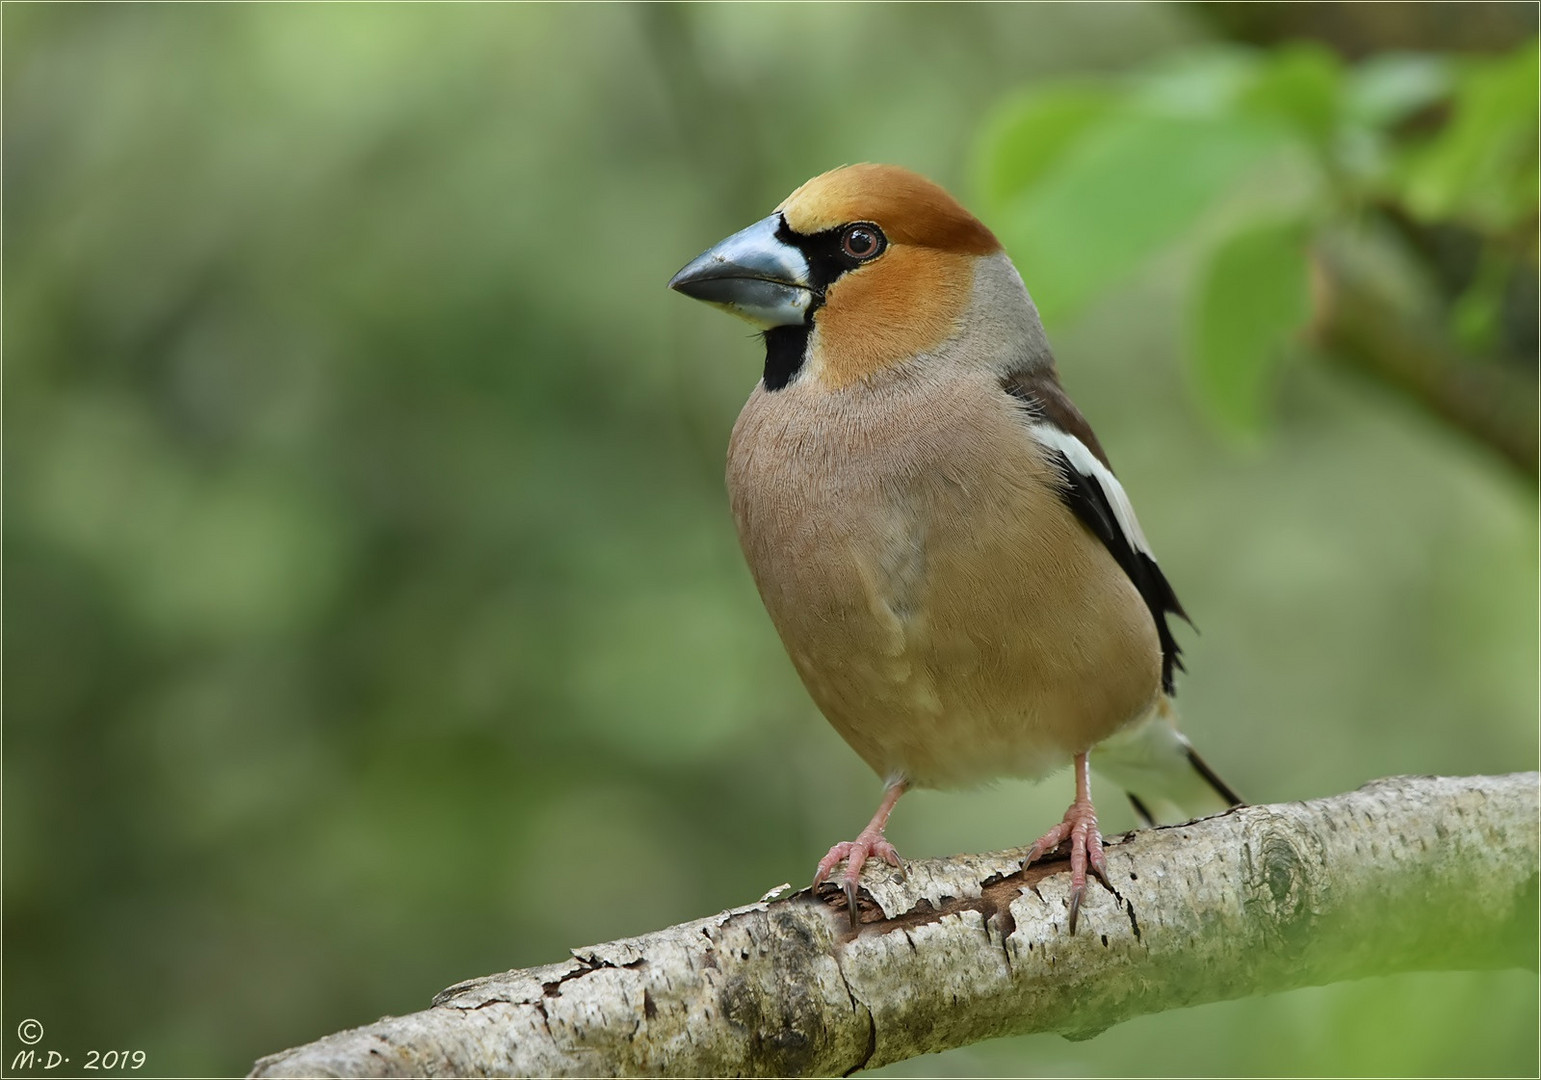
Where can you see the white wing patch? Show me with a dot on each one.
(1095, 496)
(1085, 462)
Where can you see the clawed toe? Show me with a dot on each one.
(1077, 894)
(855, 854)
(840, 851)
(849, 885)
(1079, 826)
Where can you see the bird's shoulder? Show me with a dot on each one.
(1038, 391)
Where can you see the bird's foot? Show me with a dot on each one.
(855, 853)
(1080, 828)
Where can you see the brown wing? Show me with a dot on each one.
(1098, 500)
(1041, 392)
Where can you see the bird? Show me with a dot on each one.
(952, 565)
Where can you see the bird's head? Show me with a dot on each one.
(857, 271)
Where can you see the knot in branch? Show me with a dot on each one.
(1284, 881)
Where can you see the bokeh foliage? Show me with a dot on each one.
(374, 618)
(1256, 158)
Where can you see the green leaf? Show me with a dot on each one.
(1481, 168)
(1252, 299)
(1207, 81)
(1302, 86)
(1124, 190)
(1027, 135)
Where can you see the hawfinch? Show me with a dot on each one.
(957, 574)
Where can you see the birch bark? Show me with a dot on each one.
(1410, 873)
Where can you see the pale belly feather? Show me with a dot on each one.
(949, 617)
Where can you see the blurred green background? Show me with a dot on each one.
(375, 618)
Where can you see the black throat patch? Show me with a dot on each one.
(786, 347)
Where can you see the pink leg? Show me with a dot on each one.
(1080, 828)
(870, 842)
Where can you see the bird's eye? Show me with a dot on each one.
(862, 241)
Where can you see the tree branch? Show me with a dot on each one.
(1360, 326)
(1413, 873)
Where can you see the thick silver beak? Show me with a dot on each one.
(753, 275)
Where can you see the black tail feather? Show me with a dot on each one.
(1213, 779)
(1141, 810)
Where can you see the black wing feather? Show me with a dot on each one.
(1085, 497)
